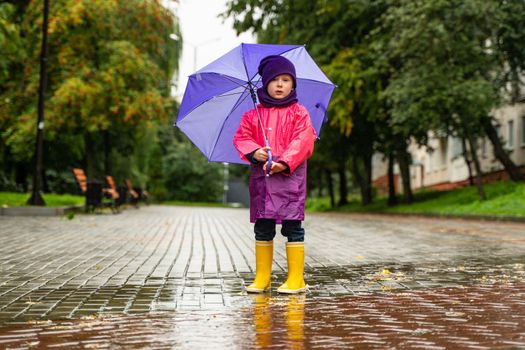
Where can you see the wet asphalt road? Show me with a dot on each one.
(173, 277)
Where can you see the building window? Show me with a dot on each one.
(510, 134)
(457, 148)
(443, 153)
(498, 130)
(484, 147)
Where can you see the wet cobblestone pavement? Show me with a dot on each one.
(173, 277)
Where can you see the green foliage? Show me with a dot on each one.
(443, 64)
(318, 204)
(61, 182)
(15, 199)
(7, 184)
(189, 176)
(336, 34)
(359, 84)
(110, 69)
(504, 199)
(510, 37)
(325, 27)
(10, 40)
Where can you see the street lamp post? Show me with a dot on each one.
(196, 46)
(36, 196)
(225, 185)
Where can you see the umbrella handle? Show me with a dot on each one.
(269, 165)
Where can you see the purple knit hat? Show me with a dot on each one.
(274, 65)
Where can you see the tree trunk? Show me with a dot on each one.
(366, 190)
(107, 153)
(392, 199)
(330, 187)
(499, 151)
(475, 159)
(343, 192)
(45, 184)
(467, 161)
(360, 181)
(319, 181)
(21, 177)
(89, 149)
(404, 169)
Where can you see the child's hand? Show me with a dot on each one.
(276, 167)
(261, 154)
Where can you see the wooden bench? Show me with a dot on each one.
(139, 194)
(94, 192)
(111, 191)
(133, 195)
(81, 179)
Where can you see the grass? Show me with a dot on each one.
(14, 199)
(504, 199)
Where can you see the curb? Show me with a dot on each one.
(440, 216)
(38, 211)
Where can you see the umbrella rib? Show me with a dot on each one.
(233, 81)
(225, 95)
(233, 93)
(316, 81)
(237, 104)
(258, 81)
(243, 85)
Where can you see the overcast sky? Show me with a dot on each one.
(201, 28)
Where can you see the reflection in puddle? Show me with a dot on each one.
(262, 320)
(439, 318)
(285, 315)
(295, 321)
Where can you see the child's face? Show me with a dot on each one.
(281, 86)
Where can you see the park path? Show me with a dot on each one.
(176, 267)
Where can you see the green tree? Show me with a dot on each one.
(453, 67)
(336, 33)
(16, 44)
(184, 172)
(355, 105)
(111, 68)
(10, 40)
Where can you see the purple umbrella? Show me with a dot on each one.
(219, 94)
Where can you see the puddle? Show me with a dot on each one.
(435, 318)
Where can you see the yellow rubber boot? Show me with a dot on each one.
(295, 257)
(263, 267)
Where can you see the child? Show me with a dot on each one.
(280, 197)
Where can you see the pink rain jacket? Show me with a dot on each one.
(291, 137)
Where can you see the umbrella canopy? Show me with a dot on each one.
(219, 94)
